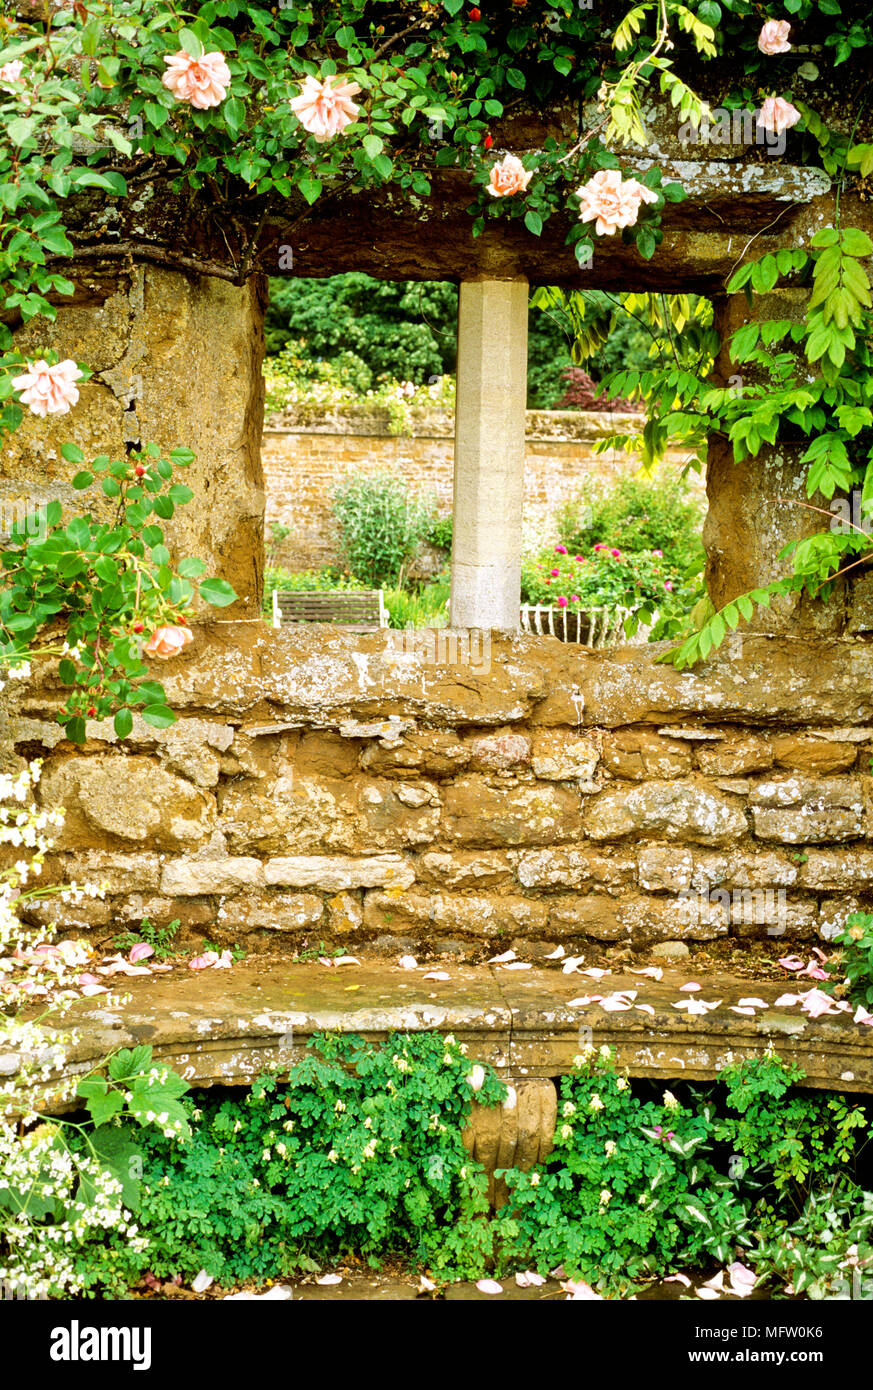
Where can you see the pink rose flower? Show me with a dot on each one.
(509, 176)
(11, 71)
(777, 115)
(325, 107)
(601, 546)
(668, 584)
(580, 559)
(574, 598)
(773, 38)
(616, 554)
(48, 390)
(659, 553)
(560, 550)
(202, 82)
(554, 573)
(612, 202)
(562, 602)
(167, 641)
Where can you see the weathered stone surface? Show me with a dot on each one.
(833, 913)
(467, 913)
(670, 950)
(155, 329)
(478, 812)
(321, 814)
(518, 1134)
(345, 913)
(572, 868)
(649, 919)
(435, 752)
(117, 873)
(591, 914)
(198, 877)
(812, 755)
(638, 754)
(271, 912)
(801, 810)
(466, 868)
(561, 756)
(499, 751)
(762, 869)
(338, 874)
(125, 798)
(676, 810)
(735, 756)
(841, 868)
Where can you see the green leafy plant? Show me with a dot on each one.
(160, 938)
(94, 592)
(381, 525)
(853, 960)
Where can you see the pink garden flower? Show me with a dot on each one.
(325, 107)
(668, 584)
(580, 559)
(616, 554)
(509, 176)
(612, 202)
(659, 553)
(562, 602)
(11, 71)
(167, 641)
(202, 82)
(574, 598)
(773, 38)
(560, 550)
(554, 573)
(777, 115)
(601, 546)
(48, 390)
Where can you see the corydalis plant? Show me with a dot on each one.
(102, 595)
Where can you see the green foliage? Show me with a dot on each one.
(95, 591)
(381, 525)
(853, 960)
(427, 608)
(815, 1135)
(627, 1194)
(323, 581)
(636, 513)
(826, 1248)
(359, 1152)
(160, 938)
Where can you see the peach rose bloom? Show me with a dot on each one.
(202, 82)
(48, 390)
(167, 641)
(11, 72)
(773, 38)
(509, 176)
(611, 202)
(777, 115)
(325, 107)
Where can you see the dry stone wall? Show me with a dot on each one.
(341, 788)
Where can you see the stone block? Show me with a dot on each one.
(640, 753)
(561, 755)
(674, 810)
(480, 813)
(572, 868)
(735, 756)
(337, 873)
(806, 810)
(125, 798)
(202, 877)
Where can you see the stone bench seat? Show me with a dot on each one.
(223, 1027)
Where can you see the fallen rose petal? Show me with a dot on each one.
(141, 951)
(791, 962)
(583, 1000)
(425, 1285)
(277, 1292)
(678, 1279)
(645, 1009)
(329, 1279)
(437, 975)
(738, 1009)
(202, 962)
(323, 960)
(707, 1292)
(405, 962)
(754, 1003)
(489, 1286)
(578, 1291)
(557, 954)
(815, 1003)
(202, 1281)
(349, 960)
(90, 990)
(162, 968)
(861, 1016)
(500, 960)
(529, 1280)
(653, 971)
(87, 979)
(571, 964)
(690, 988)
(716, 1282)
(517, 965)
(742, 1280)
(224, 961)
(594, 972)
(788, 999)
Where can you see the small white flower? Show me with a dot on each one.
(610, 1146)
(605, 1197)
(595, 1103)
(670, 1101)
(535, 1179)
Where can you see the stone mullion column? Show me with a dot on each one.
(753, 505)
(489, 453)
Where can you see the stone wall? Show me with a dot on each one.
(305, 456)
(337, 788)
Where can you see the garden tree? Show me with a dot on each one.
(408, 330)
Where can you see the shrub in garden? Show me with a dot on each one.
(602, 577)
(636, 514)
(583, 393)
(381, 525)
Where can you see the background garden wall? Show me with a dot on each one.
(304, 456)
(324, 787)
